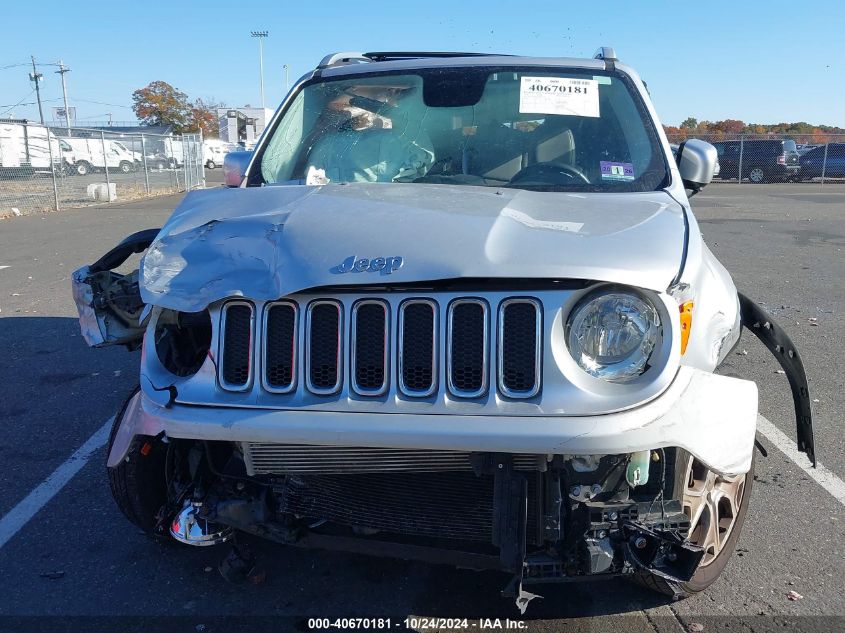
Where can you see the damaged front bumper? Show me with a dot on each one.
(712, 417)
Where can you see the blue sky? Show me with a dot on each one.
(762, 62)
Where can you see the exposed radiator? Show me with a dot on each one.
(454, 505)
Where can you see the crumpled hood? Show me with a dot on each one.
(269, 242)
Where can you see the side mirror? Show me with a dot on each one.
(697, 161)
(234, 167)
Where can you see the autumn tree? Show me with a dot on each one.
(159, 103)
(202, 115)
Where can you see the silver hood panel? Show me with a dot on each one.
(269, 242)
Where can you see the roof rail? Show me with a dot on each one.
(397, 55)
(346, 57)
(606, 53)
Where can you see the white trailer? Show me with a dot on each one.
(213, 153)
(26, 149)
(90, 154)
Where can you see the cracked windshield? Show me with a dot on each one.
(533, 129)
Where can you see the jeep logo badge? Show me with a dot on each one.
(383, 265)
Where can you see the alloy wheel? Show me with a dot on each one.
(756, 175)
(712, 503)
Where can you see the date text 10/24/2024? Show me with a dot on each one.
(417, 623)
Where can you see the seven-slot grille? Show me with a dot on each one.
(374, 345)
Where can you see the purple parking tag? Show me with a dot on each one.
(616, 171)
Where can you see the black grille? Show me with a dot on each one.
(452, 505)
(324, 347)
(370, 352)
(467, 343)
(280, 345)
(418, 347)
(519, 348)
(237, 340)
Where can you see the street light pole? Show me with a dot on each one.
(37, 77)
(261, 35)
(287, 83)
(62, 71)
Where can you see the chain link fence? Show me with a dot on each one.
(765, 158)
(51, 168)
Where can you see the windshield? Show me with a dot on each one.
(545, 129)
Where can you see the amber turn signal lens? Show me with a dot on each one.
(686, 324)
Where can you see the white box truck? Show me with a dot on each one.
(26, 149)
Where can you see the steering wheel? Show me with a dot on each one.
(549, 173)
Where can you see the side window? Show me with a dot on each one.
(836, 150)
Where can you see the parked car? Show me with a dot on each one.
(815, 162)
(762, 160)
(453, 314)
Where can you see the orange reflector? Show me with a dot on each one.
(686, 324)
(146, 448)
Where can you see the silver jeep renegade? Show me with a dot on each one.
(456, 309)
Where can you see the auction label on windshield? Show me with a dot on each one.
(559, 95)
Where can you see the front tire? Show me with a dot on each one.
(717, 507)
(138, 484)
(757, 175)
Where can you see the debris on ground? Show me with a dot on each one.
(207, 569)
(53, 575)
(695, 627)
(742, 353)
(779, 371)
(241, 565)
(794, 595)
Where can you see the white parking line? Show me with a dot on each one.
(20, 515)
(27, 508)
(822, 476)
(2, 267)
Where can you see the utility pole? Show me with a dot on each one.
(261, 35)
(62, 70)
(37, 77)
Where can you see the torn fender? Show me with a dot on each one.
(759, 323)
(109, 303)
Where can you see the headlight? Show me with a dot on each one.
(612, 335)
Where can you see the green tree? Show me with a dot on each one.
(690, 123)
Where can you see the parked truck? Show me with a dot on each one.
(27, 148)
(89, 154)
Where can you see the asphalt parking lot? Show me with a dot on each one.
(78, 556)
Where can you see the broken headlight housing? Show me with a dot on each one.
(612, 334)
(182, 340)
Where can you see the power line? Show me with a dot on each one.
(112, 105)
(18, 103)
